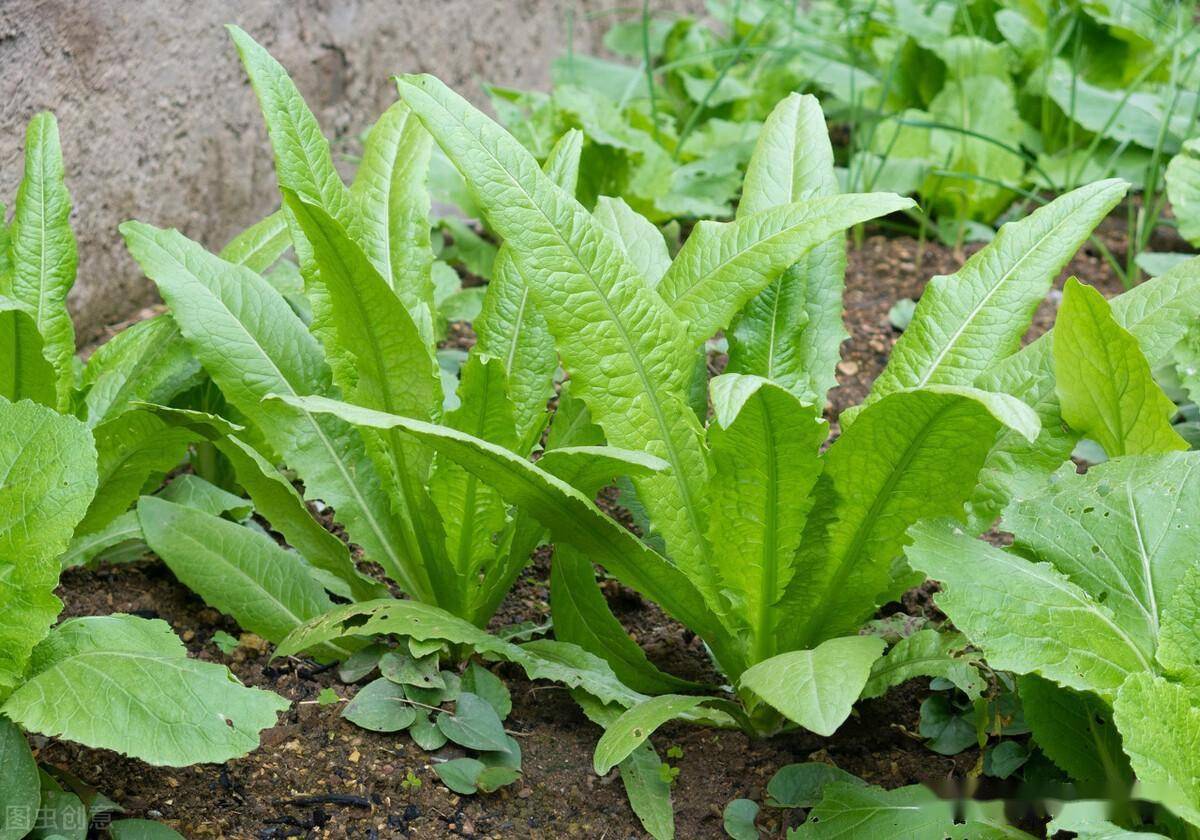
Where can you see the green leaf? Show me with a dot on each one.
(1027, 617)
(649, 796)
(849, 810)
(461, 775)
(243, 573)
(47, 478)
(1105, 387)
(279, 503)
(146, 699)
(800, 785)
(1183, 188)
(134, 449)
(261, 245)
(141, 830)
(642, 242)
(738, 819)
(570, 516)
(968, 321)
(1179, 631)
(252, 344)
(25, 374)
(147, 362)
(390, 188)
(484, 684)
(589, 469)
(927, 653)
(764, 444)
(473, 724)
(380, 706)
(425, 733)
(912, 455)
(1076, 731)
(816, 688)
(610, 327)
(724, 265)
(21, 792)
(637, 724)
(558, 661)
(1160, 727)
(1123, 116)
(582, 616)
(492, 779)
(1157, 313)
(43, 249)
(1089, 820)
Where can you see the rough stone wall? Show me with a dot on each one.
(159, 123)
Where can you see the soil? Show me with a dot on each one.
(318, 776)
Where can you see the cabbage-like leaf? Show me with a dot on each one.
(792, 330)
(21, 793)
(145, 697)
(966, 322)
(244, 574)
(261, 245)
(43, 250)
(928, 653)
(47, 478)
(25, 373)
(1104, 385)
(816, 688)
(764, 445)
(642, 241)
(252, 344)
(910, 456)
(1160, 725)
(1075, 730)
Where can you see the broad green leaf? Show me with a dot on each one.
(25, 373)
(390, 188)
(133, 450)
(590, 468)
(764, 445)
(848, 810)
(243, 573)
(632, 728)
(569, 515)
(261, 245)
(582, 617)
(121, 531)
(816, 688)
(509, 326)
(927, 653)
(642, 241)
(252, 344)
(1160, 728)
(47, 478)
(738, 819)
(147, 362)
(1116, 532)
(380, 706)
(1123, 116)
(1183, 188)
(912, 455)
(1105, 387)
(1027, 617)
(483, 683)
(21, 793)
(724, 265)
(146, 699)
(1076, 731)
(800, 785)
(473, 512)
(473, 724)
(968, 321)
(394, 372)
(617, 338)
(649, 796)
(1157, 313)
(1090, 820)
(277, 500)
(43, 249)
(557, 661)
(1179, 631)
(792, 330)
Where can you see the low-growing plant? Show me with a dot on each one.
(771, 550)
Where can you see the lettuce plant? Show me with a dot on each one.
(773, 551)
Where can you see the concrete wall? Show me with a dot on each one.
(159, 123)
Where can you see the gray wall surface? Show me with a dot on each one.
(159, 123)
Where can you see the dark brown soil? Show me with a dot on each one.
(318, 776)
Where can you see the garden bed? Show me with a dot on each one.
(318, 776)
